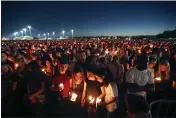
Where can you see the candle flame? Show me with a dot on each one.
(61, 85)
(158, 78)
(98, 100)
(107, 52)
(43, 69)
(73, 97)
(16, 65)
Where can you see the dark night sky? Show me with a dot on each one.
(119, 18)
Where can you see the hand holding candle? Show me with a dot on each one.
(73, 97)
(91, 99)
(98, 100)
(61, 86)
(16, 65)
(158, 79)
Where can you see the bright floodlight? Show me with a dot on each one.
(63, 32)
(29, 27)
(44, 34)
(53, 33)
(21, 31)
(24, 30)
(72, 30)
(48, 33)
(14, 34)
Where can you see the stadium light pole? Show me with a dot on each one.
(44, 35)
(39, 36)
(14, 33)
(54, 35)
(48, 35)
(21, 32)
(24, 31)
(63, 33)
(30, 30)
(72, 33)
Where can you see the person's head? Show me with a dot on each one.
(100, 74)
(39, 61)
(82, 56)
(88, 52)
(58, 54)
(63, 65)
(34, 56)
(152, 61)
(33, 66)
(90, 73)
(103, 62)
(115, 59)
(164, 66)
(78, 74)
(142, 61)
(4, 57)
(20, 64)
(94, 59)
(48, 63)
(6, 69)
(137, 106)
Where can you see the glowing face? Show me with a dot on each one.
(79, 76)
(3, 57)
(63, 68)
(90, 76)
(163, 68)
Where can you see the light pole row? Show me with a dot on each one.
(48, 34)
(23, 31)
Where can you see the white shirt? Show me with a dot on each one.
(111, 91)
(141, 78)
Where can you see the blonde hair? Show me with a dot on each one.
(166, 64)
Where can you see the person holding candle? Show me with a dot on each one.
(61, 81)
(167, 78)
(111, 94)
(77, 82)
(94, 88)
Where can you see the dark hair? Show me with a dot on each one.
(33, 65)
(77, 69)
(152, 58)
(137, 104)
(100, 72)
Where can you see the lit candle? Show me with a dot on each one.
(43, 70)
(61, 86)
(73, 97)
(91, 99)
(16, 65)
(98, 100)
(158, 78)
(106, 51)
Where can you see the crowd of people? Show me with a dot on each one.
(86, 78)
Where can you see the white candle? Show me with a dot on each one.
(73, 97)
(158, 78)
(43, 70)
(98, 100)
(16, 65)
(61, 85)
(106, 51)
(91, 99)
